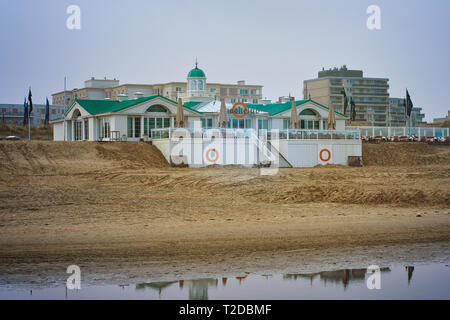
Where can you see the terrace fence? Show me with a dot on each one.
(402, 131)
(291, 134)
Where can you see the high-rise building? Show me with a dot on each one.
(370, 95)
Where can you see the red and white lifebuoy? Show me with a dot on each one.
(327, 153)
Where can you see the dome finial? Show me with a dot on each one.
(196, 63)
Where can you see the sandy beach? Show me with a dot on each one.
(120, 212)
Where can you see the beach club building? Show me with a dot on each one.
(247, 126)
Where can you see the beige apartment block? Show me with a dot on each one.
(99, 89)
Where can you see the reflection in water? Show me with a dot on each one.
(345, 276)
(198, 289)
(397, 282)
(410, 271)
(159, 286)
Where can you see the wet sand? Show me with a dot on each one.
(121, 214)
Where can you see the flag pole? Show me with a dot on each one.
(64, 112)
(29, 122)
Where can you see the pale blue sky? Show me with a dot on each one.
(277, 44)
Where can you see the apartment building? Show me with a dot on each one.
(397, 114)
(13, 114)
(370, 95)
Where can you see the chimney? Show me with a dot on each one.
(122, 97)
(138, 95)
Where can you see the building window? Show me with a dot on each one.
(105, 128)
(151, 125)
(77, 131)
(86, 129)
(137, 127)
(130, 127)
(178, 89)
(193, 85)
(286, 123)
(155, 123)
(263, 124)
(207, 123)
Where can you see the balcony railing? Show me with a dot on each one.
(289, 134)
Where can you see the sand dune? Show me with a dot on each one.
(120, 205)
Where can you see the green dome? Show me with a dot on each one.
(196, 73)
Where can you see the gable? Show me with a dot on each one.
(157, 104)
(309, 106)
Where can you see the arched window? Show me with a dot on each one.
(156, 108)
(76, 114)
(193, 85)
(307, 112)
(200, 84)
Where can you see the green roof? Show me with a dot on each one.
(191, 104)
(276, 108)
(94, 107)
(196, 73)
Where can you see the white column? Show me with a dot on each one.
(172, 122)
(142, 126)
(83, 129)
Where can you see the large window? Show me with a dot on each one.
(155, 123)
(130, 127)
(286, 123)
(240, 123)
(137, 127)
(309, 124)
(134, 127)
(104, 128)
(86, 129)
(263, 124)
(77, 130)
(207, 123)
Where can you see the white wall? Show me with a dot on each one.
(340, 124)
(119, 123)
(304, 153)
(299, 153)
(277, 124)
(58, 131)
